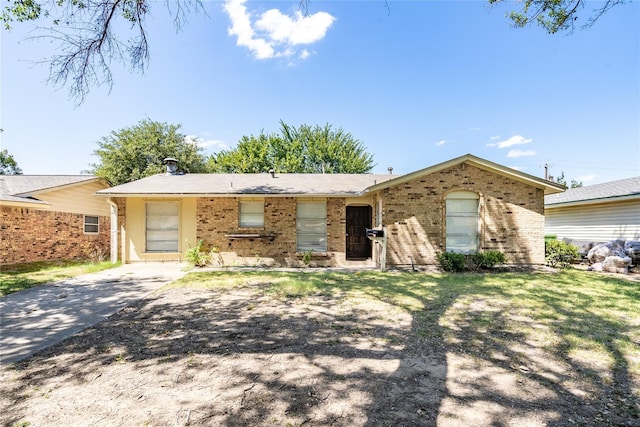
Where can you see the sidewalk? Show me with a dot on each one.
(36, 318)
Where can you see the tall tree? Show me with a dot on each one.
(305, 149)
(8, 165)
(138, 151)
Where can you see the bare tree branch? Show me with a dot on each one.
(90, 38)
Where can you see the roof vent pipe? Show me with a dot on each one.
(390, 169)
(272, 172)
(172, 166)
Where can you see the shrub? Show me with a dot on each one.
(451, 261)
(488, 259)
(196, 256)
(558, 253)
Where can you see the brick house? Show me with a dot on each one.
(52, 218)
(465, 204)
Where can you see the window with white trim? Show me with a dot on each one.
(311, 226)
(251, 214)
(462, 222)
(91, 224)
(162, 219)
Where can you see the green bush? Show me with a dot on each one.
(452, 262)
(559, 253)
(196, 256)
(488, 259)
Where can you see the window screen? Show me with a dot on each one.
(91, 224)
(311, 226)
(462, 222)
(251, 214)
(162, 227)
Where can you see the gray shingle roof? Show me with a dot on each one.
(19, 188)
(597, 192)
(258, 184)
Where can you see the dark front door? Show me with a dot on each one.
(358, 220)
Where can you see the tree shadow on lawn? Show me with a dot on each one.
(367, 349)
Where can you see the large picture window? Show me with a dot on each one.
(162, 226)
(311, 226)
(251, 214)
(462, 222)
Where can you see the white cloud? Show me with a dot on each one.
(587, 178)
(216, 144)
(518, 168)
(441, 142)
(514, 140)
(493, 138)
(514, 154)
(275, 34)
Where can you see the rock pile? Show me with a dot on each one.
(615, 256)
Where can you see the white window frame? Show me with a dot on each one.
(162, 231)
(251, 214)
(462, 222)
(88, 222)
(311, 226)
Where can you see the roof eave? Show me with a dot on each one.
(628, 197)
(548, 186)
(236, 194)
(61, 187)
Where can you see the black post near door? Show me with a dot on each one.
(358, 244)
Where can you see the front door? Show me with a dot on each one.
(358, 220)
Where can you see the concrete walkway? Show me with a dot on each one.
(36, 318)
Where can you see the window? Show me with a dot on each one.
(311, 227)
(91, 224)
(462, 222)
(251, 214)
(162, 227)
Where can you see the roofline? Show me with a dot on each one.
(63, 186)
(26, 203)
(166, 195)
(548, 186)
(598, 201)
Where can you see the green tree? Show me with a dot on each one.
(305, 149)
(562, 180)
(8, 165)
(556, 15)
(138, 151)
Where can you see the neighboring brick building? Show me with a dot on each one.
(52, 218)
(466, 204)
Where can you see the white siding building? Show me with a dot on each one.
(595, 213)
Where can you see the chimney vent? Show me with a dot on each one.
(272, 172)
(390, 169)
(172, 166)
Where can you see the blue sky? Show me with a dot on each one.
(418, 83)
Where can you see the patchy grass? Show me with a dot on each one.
(25, 276)
(586, 321)
(301, 348)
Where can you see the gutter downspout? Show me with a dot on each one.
(114, 230)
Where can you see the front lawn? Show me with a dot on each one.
(19, 277)
(349, 349)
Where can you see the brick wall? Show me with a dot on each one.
(30, 235)
(511, 216)
(217, 226)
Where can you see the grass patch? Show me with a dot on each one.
(20, 277)
(578, 320)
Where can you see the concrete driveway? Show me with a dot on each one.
(36, 318)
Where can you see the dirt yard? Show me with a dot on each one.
(240, 357)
